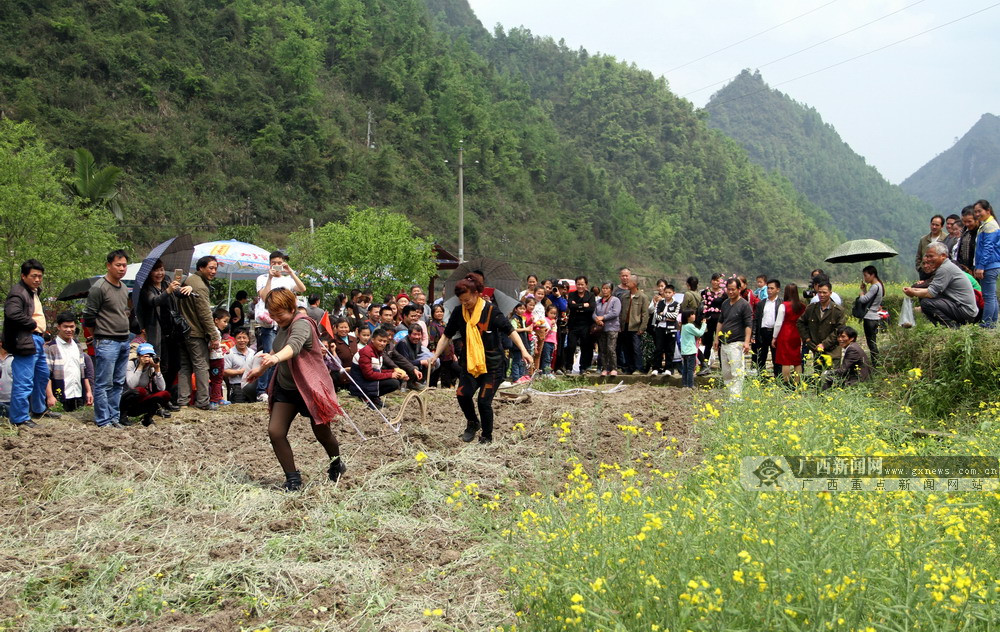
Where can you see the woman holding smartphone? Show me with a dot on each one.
(155, 312)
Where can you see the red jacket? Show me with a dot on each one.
(373, 364)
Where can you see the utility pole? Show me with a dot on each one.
(461, 208)
(368, 138)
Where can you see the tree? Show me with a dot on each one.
(95, 187)
(373, 248)
(38, 221)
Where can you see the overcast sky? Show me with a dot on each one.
(897, 107)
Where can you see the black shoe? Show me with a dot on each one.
(172, 407)
(147, 419)
(484, 440)
(470, 433)
(51, 414)
(125, 421)
(337, 468)
(293, 482)
(376, 403)
(163, 412)
(25, 424)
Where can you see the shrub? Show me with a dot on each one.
(960, 367)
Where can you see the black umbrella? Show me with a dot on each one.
(504, 302)
(175, 252)
(498, 275)
(81, 287)
(859, 250)
(77, 289)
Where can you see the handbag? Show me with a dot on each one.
(595, 329)
(859, 309)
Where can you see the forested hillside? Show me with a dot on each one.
(792, 139)
(273, 112)
(967, 171)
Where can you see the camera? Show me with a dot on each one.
(156, 359)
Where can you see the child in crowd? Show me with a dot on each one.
(217, 359)
(529, 306)
(689, 347)
(522, 329)
(549, 338)
(363, 334)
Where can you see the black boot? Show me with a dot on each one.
(471, 429)
(293, 481)
(147, 419)
(337, 468)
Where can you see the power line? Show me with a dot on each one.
(747, 39)
(810, 47)
(850, 59)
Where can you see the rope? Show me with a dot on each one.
(576, 391)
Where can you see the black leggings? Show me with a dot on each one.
(467, 386)
(708, 338)
(871, 333)
(282, 414)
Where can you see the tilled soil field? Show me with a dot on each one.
(181, 526)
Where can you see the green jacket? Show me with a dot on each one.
(819, 327)
(637, 317)
(197, 310)
(922, 246)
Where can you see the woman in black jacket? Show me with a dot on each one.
(156, 310)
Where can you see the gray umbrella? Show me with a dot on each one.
(858, 250)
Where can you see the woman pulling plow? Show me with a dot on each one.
(301, 385)
(482, 362)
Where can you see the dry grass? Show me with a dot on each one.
(182, 529)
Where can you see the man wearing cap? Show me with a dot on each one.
(280, 275)
(147, 393)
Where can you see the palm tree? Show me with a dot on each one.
(95, 186)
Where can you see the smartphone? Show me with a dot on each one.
(277, 269)
(178, 274)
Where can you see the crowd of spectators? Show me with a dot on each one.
(174, 348)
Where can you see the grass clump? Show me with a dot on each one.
(959, 370)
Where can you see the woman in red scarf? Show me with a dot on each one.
(482, 364)
(300, 385)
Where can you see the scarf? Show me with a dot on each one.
(312, 379)
(475, 353)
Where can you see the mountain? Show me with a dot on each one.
(792, 139)
(967, 171)
(274, 112)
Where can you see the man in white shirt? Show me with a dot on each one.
(235, 362)
(71, 371)
(280, 275)
(820, 278)
(765, 314)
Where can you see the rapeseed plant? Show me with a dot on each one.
(637, 548)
